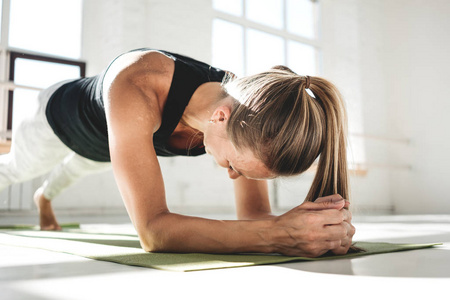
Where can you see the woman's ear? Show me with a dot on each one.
(221, 114)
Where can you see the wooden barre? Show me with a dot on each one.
(9, 85)
(381, 138)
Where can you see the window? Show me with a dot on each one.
(46, 26)
(41, 44)
(34, 73)
(250, 36)
(39, 55)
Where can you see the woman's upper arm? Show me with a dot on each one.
(133, 115)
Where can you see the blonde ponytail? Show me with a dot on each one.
(332, 171)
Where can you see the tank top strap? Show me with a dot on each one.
(188, 75)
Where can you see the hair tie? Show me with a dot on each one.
(308, 82)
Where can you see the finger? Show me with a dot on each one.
(345, 242)
(341, 250)
(347, 204)
(329, 217)
(328, 233)
(331, 203)
(332, 217)
(333, 245)
(321, 248)
(334, 197)
(320, 218)
(347, 215)
(335, 232)
(351, 231)
(343, 247)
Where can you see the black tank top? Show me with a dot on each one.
(76, 112)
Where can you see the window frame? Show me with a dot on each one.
(13, 55)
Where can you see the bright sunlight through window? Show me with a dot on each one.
(250, 36)
(46, 26)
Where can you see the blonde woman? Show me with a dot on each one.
(149, 103)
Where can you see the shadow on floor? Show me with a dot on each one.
(424, 263)
(61, 270)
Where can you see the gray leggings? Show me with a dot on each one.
(36, 150)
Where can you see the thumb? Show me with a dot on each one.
(331, 203)
(334, 197)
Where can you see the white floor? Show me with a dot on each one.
(38, 274)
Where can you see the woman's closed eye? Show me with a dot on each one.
(233, 173)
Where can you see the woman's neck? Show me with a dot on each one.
(206, 98)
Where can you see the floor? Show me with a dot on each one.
(39, 274)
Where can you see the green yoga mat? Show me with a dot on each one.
(125, 249)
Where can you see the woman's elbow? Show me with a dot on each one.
(152, 238)
(151, 243)
(147, 244)
(148, 247)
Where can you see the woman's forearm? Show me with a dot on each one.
(310, 229)
(177, 233)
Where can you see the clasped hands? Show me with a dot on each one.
(314, 228)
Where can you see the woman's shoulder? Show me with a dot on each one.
(139, 77)
(149, 70)
(138, 63)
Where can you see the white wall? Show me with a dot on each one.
(417, 47)
(394, 55)
(387, 56)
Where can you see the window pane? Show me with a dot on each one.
(300, 17)
(263, 51)
(227, 46)
(47, 26)
(233, 7)
(42, 74)
(301, 58)
(267, 12)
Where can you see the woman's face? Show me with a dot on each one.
(238, 162)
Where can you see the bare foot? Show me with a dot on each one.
(46, 215)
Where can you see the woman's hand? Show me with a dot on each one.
(347, 241)
(314, 228)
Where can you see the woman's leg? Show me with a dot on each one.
(69, 171)
(35, 149)
(62, 176)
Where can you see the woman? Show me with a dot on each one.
(150, 103)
